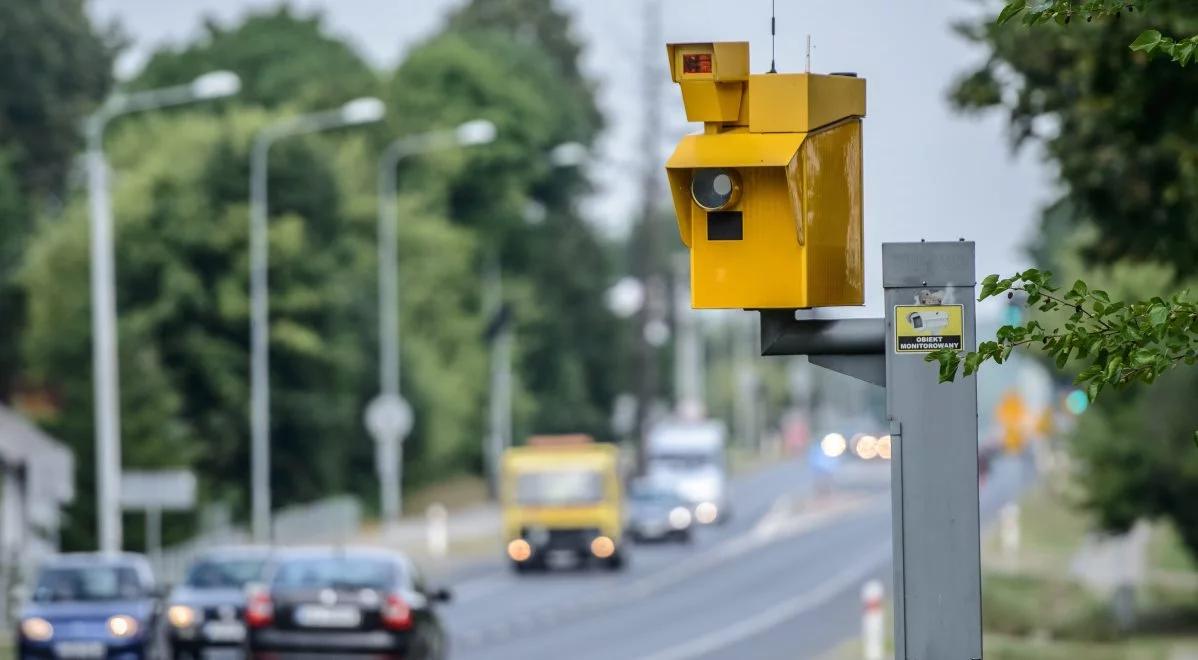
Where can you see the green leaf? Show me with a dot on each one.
(1147, 41)
(1158, 315)
(1196, 438)
(1011, 10)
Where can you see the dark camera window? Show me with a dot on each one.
(725, 226)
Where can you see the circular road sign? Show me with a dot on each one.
(388, 416)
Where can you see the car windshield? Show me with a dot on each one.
(559, 488)
(346, 572)
(87, 583)
(221, 574)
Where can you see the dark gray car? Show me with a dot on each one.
(206, 611)
(346, 602)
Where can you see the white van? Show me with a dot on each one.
(690, 456)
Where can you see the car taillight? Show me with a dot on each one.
(259, 610)
(396, 613)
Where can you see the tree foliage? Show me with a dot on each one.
(55, 68)
(1120, 130)
(1119, 343)
(283, 58)
(180, 203)
(1149, 41)
(555, 268)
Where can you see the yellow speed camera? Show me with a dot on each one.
(768, 197)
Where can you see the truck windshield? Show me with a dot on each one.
(559, 488)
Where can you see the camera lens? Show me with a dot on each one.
(715, 189)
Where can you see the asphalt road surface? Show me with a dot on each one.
(781, 579)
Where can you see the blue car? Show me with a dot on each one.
(92, 606)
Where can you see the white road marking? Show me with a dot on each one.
(778, 614)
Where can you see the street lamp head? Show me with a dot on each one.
(216, 84)
(475, 132)
(569, 154)
(363, 110)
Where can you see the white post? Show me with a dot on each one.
(1009, 536)
(154, 536)
(873, 626)
(105, 377)
(438, 530)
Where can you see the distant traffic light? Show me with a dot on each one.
(768, 196)
(1076, 402)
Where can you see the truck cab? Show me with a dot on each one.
(563, 496)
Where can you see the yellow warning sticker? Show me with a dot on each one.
(927, 328)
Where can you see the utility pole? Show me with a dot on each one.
(689, 358)
(499, 408)
(644, 242)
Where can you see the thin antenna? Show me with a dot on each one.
(773, 34)
(808, 53)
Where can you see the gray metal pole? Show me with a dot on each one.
(390, 459)
(499, 409)
(688, 343)
(388, 232)
(105, 377)
(259, 344)
(934, 469)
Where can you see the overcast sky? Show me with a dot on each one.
(928, 172)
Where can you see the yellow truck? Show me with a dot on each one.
(562, 495)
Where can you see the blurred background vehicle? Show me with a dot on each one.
(657, 513)
(207, 610)
(87, 605)
(690, 457)
(345, 601)
(563, 496)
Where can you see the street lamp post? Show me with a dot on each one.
(358, 111)
(389, 417)
(106, 376)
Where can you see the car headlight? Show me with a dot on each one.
(181, 616)
(715, 189)
(37, 629)
(706, 513)
(519, 550)
(122, 625)
(680, 517)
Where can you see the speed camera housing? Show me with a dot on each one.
(768, 197)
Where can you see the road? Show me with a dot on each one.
(780, 580)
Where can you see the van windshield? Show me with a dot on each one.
(683, 461)
(559, 488)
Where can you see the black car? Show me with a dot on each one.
(345, 602)
(92, 606)
(656, 513)
(206, 610)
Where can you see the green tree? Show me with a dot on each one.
(54, 69)
(181, 255)
(554, 266)
(1122, 137)
(1150, 41)
(1126, 147)
(282, 56)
